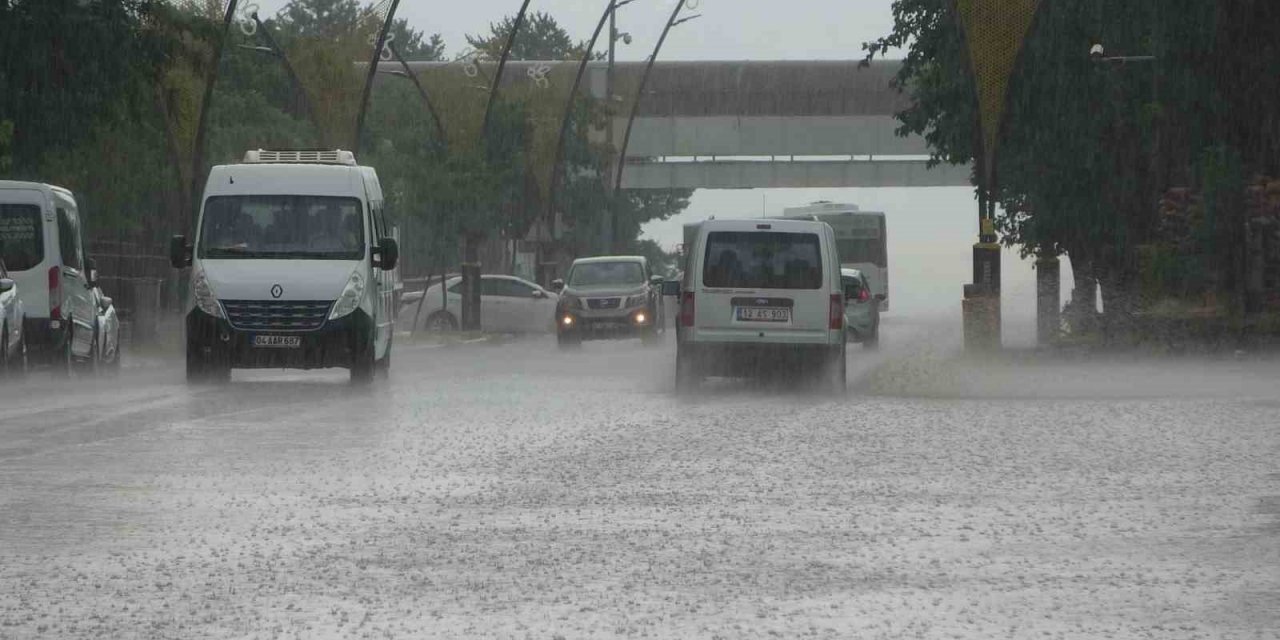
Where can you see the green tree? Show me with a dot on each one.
(540, 38)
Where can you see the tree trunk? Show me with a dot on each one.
(1082, 310)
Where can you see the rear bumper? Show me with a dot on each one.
(737, 359)
(43, 336)
(336, 344)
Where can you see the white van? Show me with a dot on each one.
(42, 248)
(760, 296)
(292, 266)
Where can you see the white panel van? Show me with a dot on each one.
(760, 296)
(43, 251)
(292, 266)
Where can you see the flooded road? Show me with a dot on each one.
(513, 490)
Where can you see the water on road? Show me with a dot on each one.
(511, 490)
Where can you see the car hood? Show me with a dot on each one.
(606, 290)
(297, 279)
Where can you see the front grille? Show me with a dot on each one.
(277, 315)
(604, 303)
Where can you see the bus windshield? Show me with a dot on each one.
(282, 227)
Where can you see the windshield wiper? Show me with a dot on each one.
(239, 252)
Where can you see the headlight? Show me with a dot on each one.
(637, 300)
(203, 294)
(350, 298)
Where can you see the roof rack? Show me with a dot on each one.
(300, 156)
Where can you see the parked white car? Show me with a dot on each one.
(507, 304)
(13, 344)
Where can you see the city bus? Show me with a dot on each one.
(861, 239)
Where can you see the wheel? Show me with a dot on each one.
(649, 336)
(4, 348)
(363, 364)
(872, 342)
(23, 361)
(687, 377)
(64, 362)
(832, 374)
(207, 367)
(568, 339)
(441, 321)
(384, 365)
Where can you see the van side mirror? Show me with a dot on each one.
(6, 285)
(671, 288)
(557, 285)
(179, 252)
(388, 254)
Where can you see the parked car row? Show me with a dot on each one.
(52, 308)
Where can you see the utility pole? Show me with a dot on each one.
(606, 225)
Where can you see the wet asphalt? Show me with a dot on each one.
(508, 489)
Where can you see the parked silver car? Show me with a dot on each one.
(13, 342)
(861, 309)
(108, 338)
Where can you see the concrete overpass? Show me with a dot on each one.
(755, 124)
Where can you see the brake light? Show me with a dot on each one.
(686, 309)
(837, 312)
(863, 296)
(55, 298)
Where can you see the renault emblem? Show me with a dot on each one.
(277, 291)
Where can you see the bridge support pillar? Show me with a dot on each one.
(1048, 297)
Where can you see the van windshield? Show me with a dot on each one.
(282, 227)
(762, 260)
(21, 236)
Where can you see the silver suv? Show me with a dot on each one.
(609, 297)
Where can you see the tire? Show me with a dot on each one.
(197, 371)
(568, 339)
(64, 362)
(384, 365)
(23, 361)
(688, 380)
(5, 365)
(837, 371)
(363, 364)
(441, 321)
(873, 341)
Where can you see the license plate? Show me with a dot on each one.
(764, 314)
(277, 342)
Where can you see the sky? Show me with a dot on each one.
(931, 231)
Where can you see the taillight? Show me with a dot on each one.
(686, 309)
(55, 298)
(863, 296)
(837, 312)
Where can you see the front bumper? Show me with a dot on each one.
(335, 344)
(605, 323)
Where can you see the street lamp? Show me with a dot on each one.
(1098, 54)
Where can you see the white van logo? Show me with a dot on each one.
(277, 291)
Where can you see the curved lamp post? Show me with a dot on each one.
(273, 48)
(610, 211)
(674, 21)
(407, 72)
(373, 70)
(197, 154)
(609, 12)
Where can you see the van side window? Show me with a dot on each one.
(69, 240)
